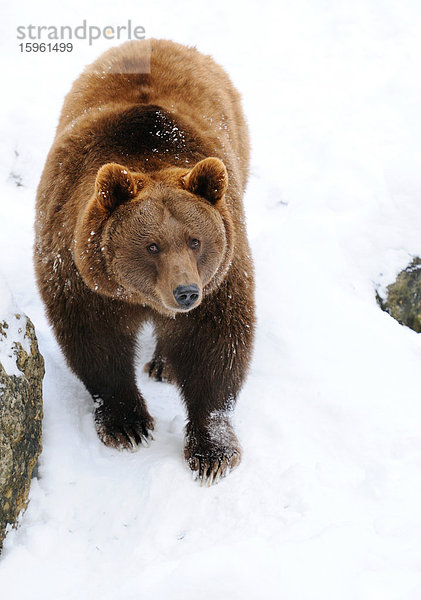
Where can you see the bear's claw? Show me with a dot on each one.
(125, 435)
(158, 370)
(209, 471)
(212, 459)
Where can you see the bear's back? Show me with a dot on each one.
(163, 73)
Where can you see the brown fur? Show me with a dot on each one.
(141, 194)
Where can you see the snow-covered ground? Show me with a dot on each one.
(326, 504)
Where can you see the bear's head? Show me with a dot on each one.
(163, 239)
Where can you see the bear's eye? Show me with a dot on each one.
(153, 249)
(194, 244)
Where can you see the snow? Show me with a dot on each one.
(326, 501)
(12, 332)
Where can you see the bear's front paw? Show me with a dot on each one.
(159, 370)
(213, 452)
(124, 432)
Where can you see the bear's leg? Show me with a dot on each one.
(209, 352)
(99, 345)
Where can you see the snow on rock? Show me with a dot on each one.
(13, 336)
(21, 373)
(403, 298)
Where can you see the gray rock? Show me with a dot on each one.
(21, 374)
(403, 301)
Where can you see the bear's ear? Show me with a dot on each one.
(114, 185)
(209, 179)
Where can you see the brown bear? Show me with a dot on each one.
(139, 217)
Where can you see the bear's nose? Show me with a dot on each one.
(186, 295)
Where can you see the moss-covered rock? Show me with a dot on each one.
(403, 301)
(21, 374)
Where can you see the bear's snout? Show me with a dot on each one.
(186, 295)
